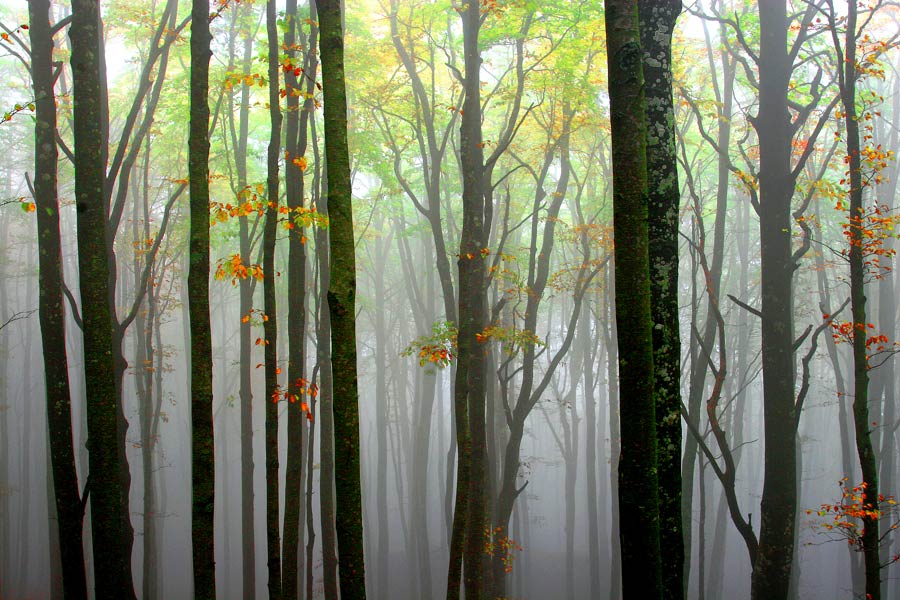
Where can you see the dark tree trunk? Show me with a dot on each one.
(69, 509)
(342, 306)
(615, 437)
(857, 241)
(469, 519)
(638, 491)
(323, 357)
(202, 446)
(296, 131)
(111, 526)
(772, 569)
(270, 321)
(657, 21)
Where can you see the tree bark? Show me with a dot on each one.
(298, 388)
(111, 526)
(857, 242)
(342, 306)
(270, 320)
(638, 486)
(657, 22)
(772, 569)
(69, 511)
(202, 445)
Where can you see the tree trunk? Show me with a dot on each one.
(858, 242)
(657, 21)
(772, 569)
(111, 527)
(202, 445)
(298, 389)
(469, 392)
(638, 486)
(69, 509)
(342, 306)
(270, 321)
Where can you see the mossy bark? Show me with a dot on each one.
(638, 484)
(111, 526)
(657, 21)
(342, 306)
(202, 446)
(69, 508)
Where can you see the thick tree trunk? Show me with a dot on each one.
(111, 526)
(638, 485)
(657, 21)
(772, 569)
(469, 392)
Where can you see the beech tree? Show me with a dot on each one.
(202, 445)
(638, 485)
(657, 21)
(112, 533)
(342, 305)
(70, 505)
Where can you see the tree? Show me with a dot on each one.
(270, 313)
(69, 504)
(342, 305)
(657, 21)
(111, 527)
(775, 129)
(296, 138)
(638, 486)
(202, 443)
(467, 541)
(859, 256)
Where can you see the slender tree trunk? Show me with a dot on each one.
(638, 486)
(593, 451)
(342, 306)
(615, 437)
(270, 322)
(382, 574)
(298, 388)
(67, 499)
(202, 444)
(857, 248)
(245, 294)
(699, 368)
(326, 445)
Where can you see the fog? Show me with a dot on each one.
(543, 79)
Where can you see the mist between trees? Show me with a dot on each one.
(313, 300)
